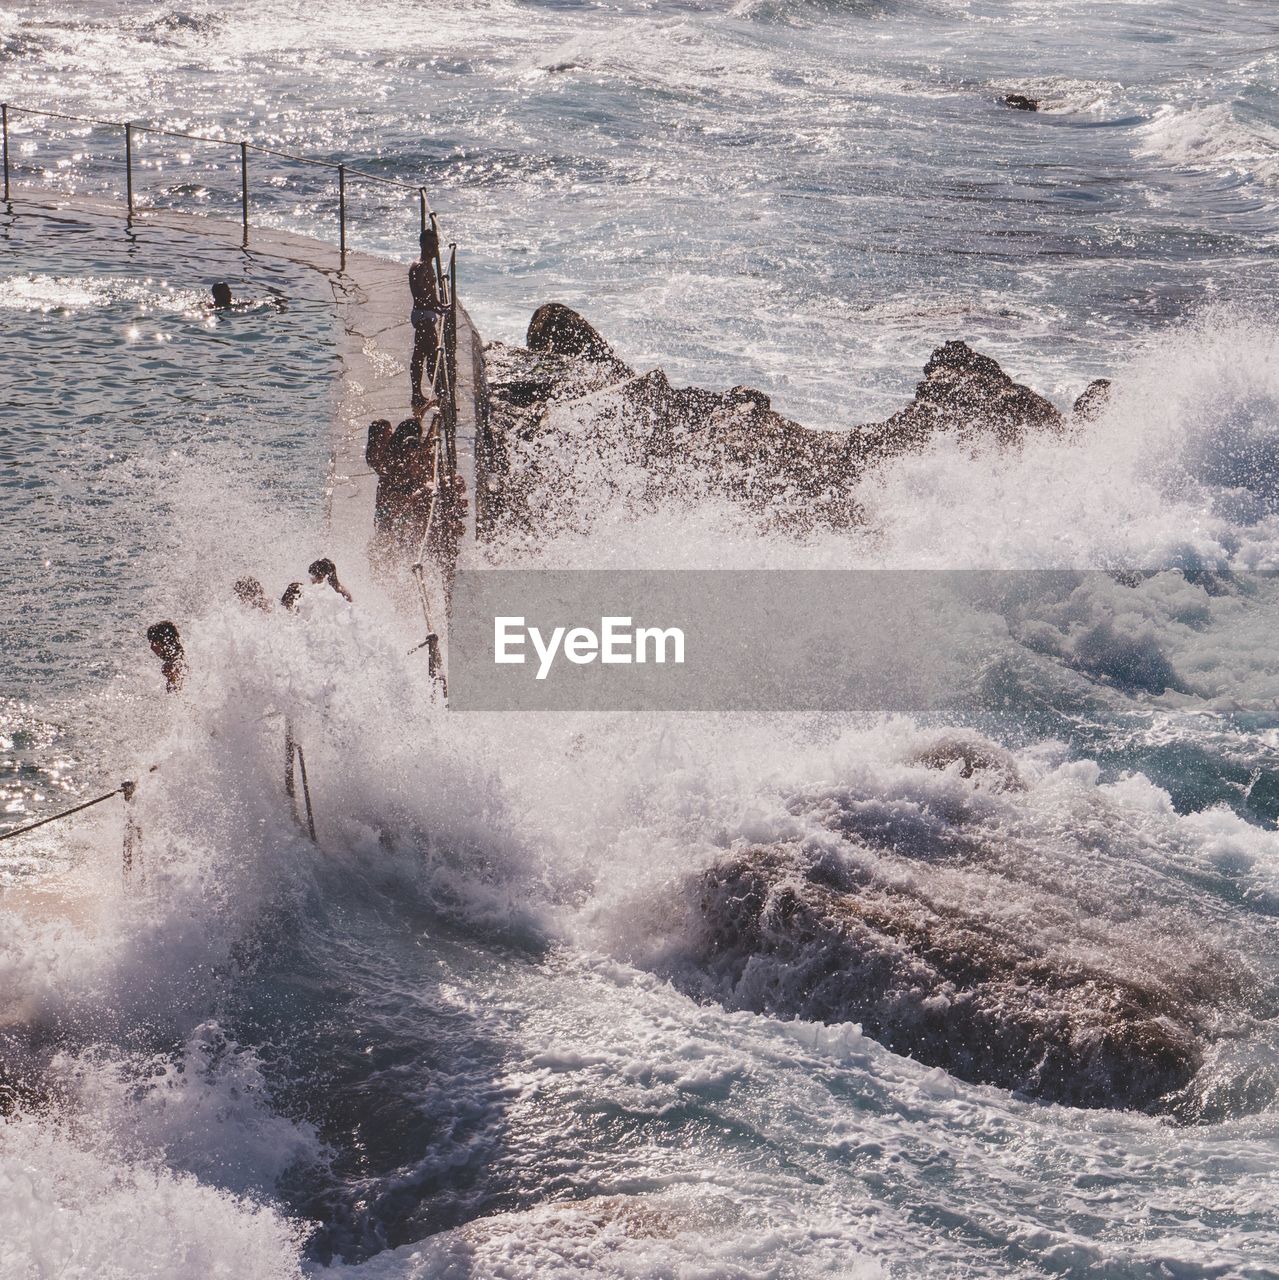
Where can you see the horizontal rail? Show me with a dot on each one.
(443, 384)
(12, 109)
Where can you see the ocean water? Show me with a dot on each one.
(510, 1018)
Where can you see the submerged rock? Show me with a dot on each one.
(794, 937)
(1020, 102)
(978, 758)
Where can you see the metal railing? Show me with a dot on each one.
(444, 376)
(242, 148)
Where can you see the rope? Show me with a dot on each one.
(432, 642)
(430, 516)
(66, 813)
(434, 663)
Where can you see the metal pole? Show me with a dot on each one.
(439, 265)
(342, 211)
(450, 355)
(4, 129)
(452, 329)
(128, 166)
(244, 187)
(306, 794)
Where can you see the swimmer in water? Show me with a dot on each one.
(326, 571)
(166, 644)
(249, 592)
(222, 300)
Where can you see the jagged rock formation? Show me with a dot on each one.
(560, 421)
(565, 408)
(1092, 400)
(818, 939)
(967, 394)
(1021, 102)
(558, 330)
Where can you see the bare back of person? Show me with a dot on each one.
(423, 287)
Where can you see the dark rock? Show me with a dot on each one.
(962, 990)
(980, 759)
(1020, 102)
(968, 394)
(555, 417)
(1095, 397)
(523, 393)
(566, 405)
(559, 330)
(740, 395)
(737, 446)
(521, 384)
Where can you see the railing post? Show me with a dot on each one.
(342, 211)
(451, 347)
(450, 357)
(244, 188)
(440, 277)
(421, 197)
(128, 166)
(4, 129)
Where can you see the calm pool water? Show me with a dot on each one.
(122, 387)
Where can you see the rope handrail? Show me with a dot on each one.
(255, 147)
(66, 813)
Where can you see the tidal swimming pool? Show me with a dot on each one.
(144, 433)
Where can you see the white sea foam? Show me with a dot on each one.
(72, 1210)
(1210, 137)
(1174, 473)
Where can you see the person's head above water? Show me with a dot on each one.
(164, 640)
(326, 571)
(166, 644)
(249, 592)
(222, 295)
(408, 433)
(292, 594)
(323, 571)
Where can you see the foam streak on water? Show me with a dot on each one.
(562, 996)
